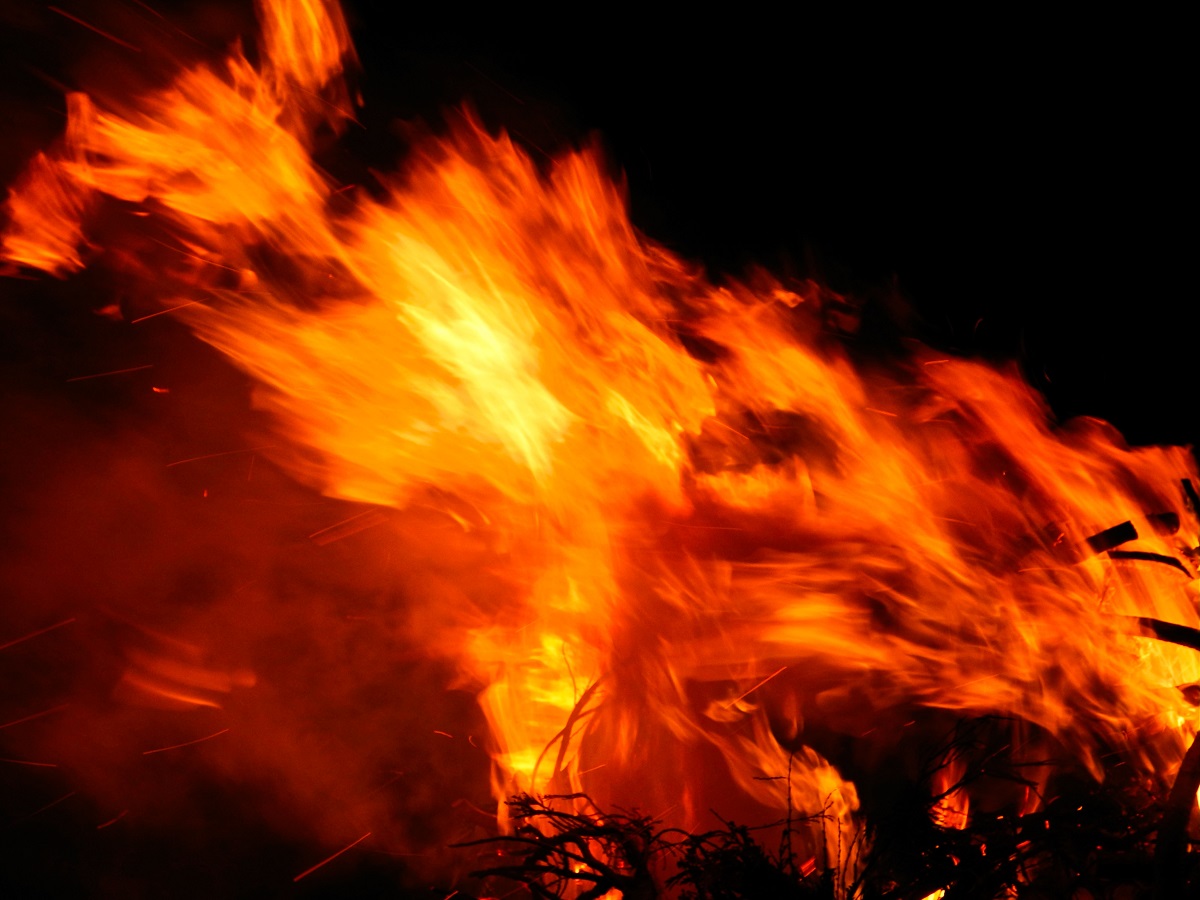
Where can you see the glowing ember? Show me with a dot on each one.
(680, 544)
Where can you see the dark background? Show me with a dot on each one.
(1020, 182)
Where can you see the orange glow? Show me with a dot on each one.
(953, 807)
(654, 562)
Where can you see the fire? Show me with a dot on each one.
(953, 807)
(679, 528)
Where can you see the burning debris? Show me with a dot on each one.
(682, 548)
(1086, 841)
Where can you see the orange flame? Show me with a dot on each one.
(678, 519)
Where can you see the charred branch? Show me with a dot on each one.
(1145, 556)
(1169, 632)
(1112, 537)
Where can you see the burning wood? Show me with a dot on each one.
(686, 551)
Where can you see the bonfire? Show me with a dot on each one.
(501, 542)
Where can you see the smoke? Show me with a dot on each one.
(145, 527)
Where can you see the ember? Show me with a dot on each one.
(467, 480)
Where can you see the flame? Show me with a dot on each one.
(953, 806)
(679, 520)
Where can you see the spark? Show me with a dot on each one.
(443, 733)
(163, 312)
(197, 257)
(308, 872)
(471, 806)
(662, 815)
(113, 372)
(36, 715)
(396, 776)
(186, 743)
(90, 27)
(882, 412)
(28, 762)
(729, 428)
(149, 9)
(52, 803)
(37, 633)
(113, 821)
(743, 696)
(172, 27)
(958, 521)
(347, 527)
(150, 686)
(180, 462)
(337, 109)
(959, 687)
